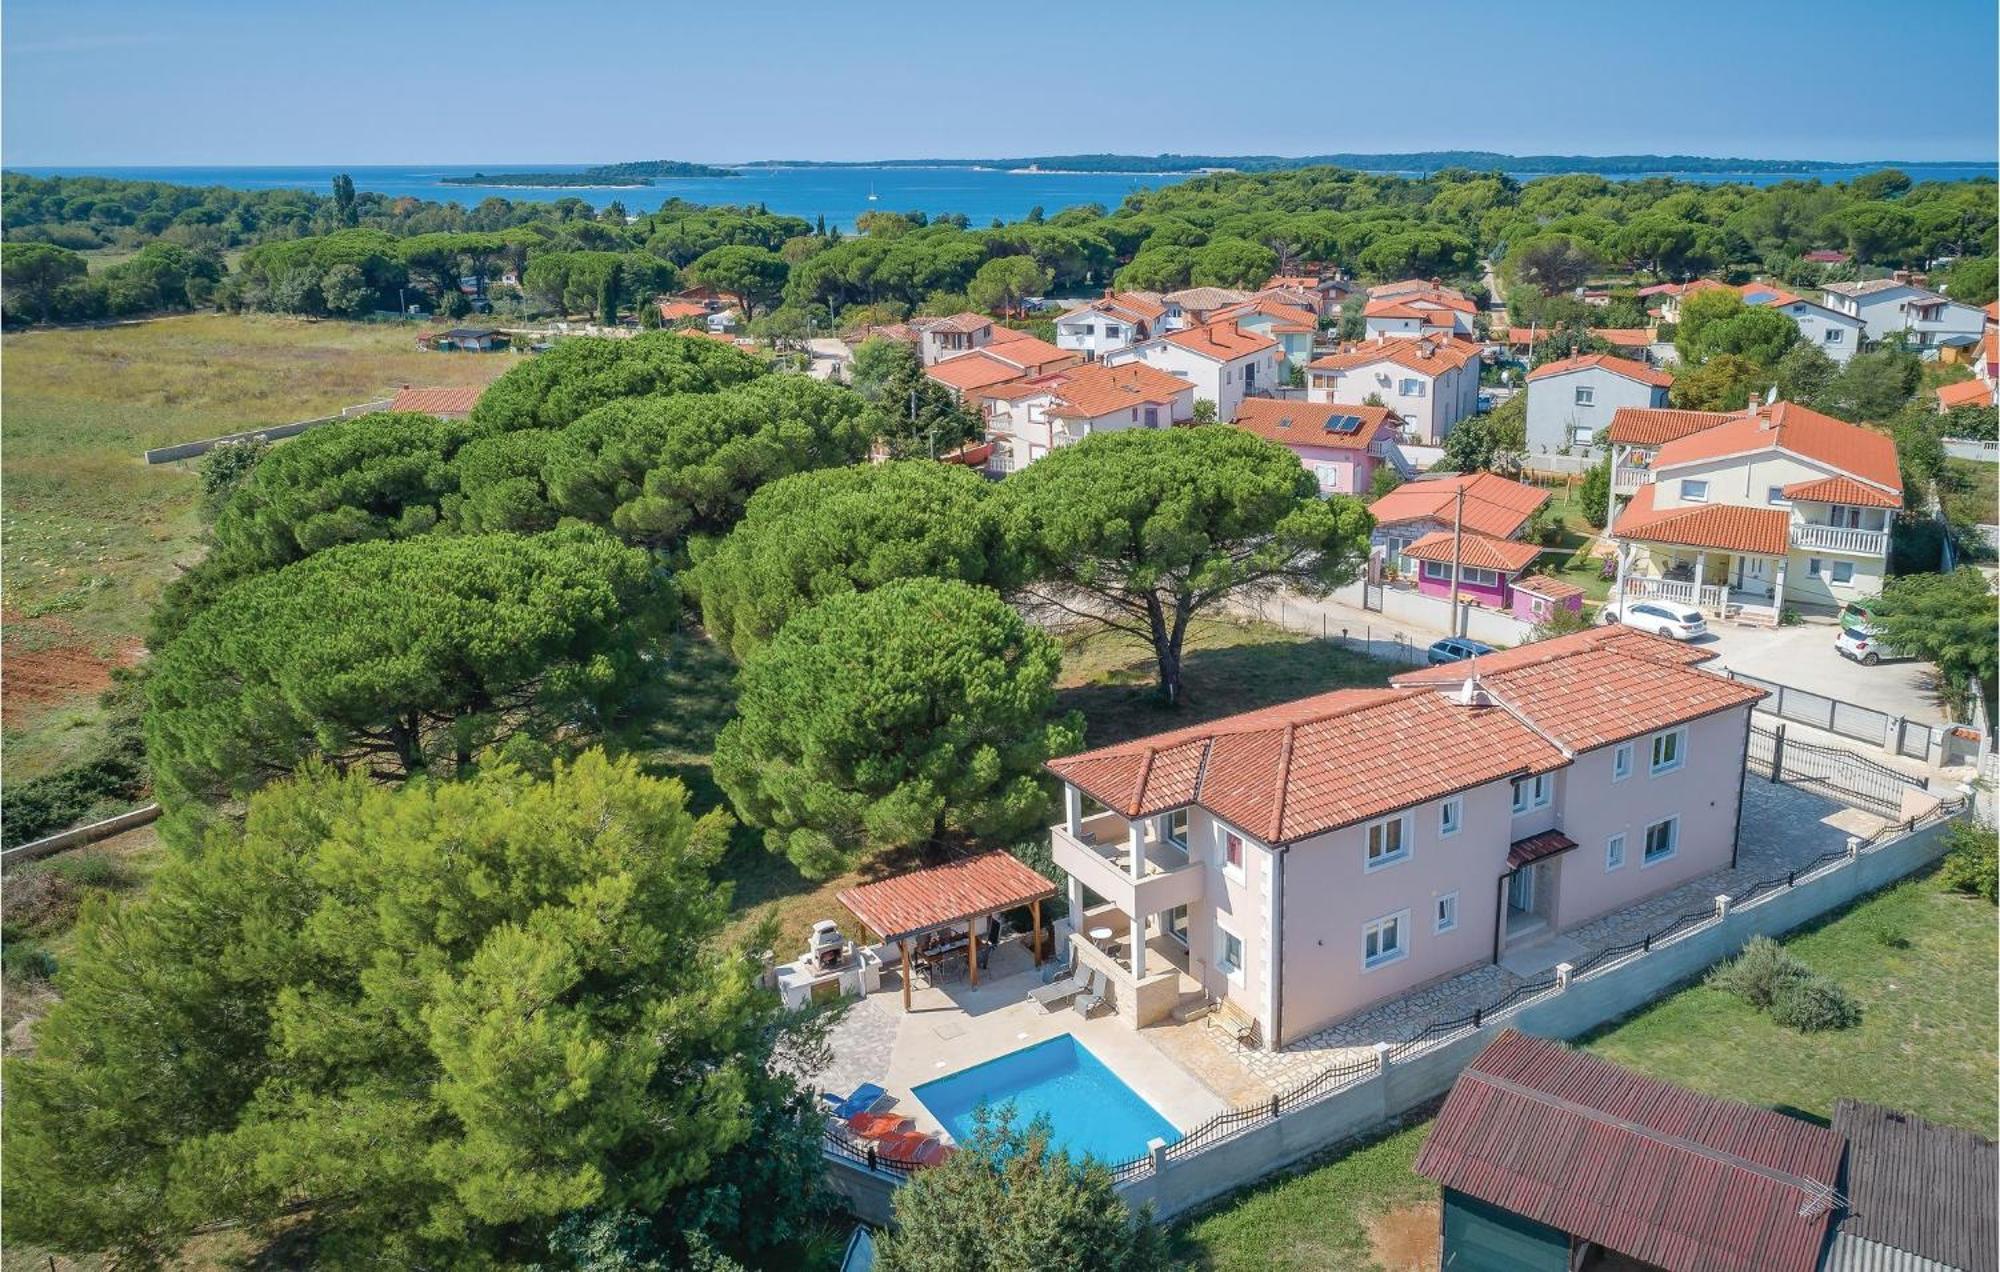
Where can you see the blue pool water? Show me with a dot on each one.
(1090, 1111)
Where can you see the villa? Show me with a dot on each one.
(1110, 323)
(1224, 362)
(1027, 418)
(1303, 862)
(1341, 446)
(1432, 384)
(1570, 401)
(1482, 504)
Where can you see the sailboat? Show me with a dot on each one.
(872, 196)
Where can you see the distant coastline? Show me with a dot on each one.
(1411, 161)
(610, 176)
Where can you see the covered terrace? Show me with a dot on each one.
(934, 915)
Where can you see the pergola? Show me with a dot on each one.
(963, 890)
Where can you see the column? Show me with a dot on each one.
(1075, 904)
(1073, 810)
(1135, 856)
(1138, 948)
(1611, 495)
(1778, 589)
(1700, 575)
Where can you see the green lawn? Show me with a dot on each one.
(1922, 962)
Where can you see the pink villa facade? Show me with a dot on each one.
(1341, 446)
(1491, 572)
(1266, 857)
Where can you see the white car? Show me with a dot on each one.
(1863, 646)
(1663, 618)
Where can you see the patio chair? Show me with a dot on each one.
(862, 1099)
(912, 1148)
(1092, 996)
(1063, 987)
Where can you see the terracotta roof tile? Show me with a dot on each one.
(1841, 490)
(1475, 551)
(1549, 588)
(974, 370)
(446, 403)
(1430, 356)
(1852, 449)
(1596, 697)
(1222, 341)
(1656, 426)
(1203, 299)
(1527, 851)
(1965, 393)
(1624, 337)
(1493, 504)
(966, 888)
(1604, 362)
(1095, 390)
(675, 310)
(963, 324)
(1731, 527)
(1628, 641)
(1291, 422)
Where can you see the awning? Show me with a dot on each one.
(958, 891)
(1525, 852)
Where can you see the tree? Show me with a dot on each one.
(1008, 1200)
(1725, 382)
(1804, 375)
(1386, 479)
(1233, 263)
(36, 273)
(1873, 385)
(1471, 446)
(1204, 411)
(558, 387)
(1158, 269)
(817, 534)
(1594, 492)
(401, 657)
(1004, 282)
(753, 276)
(1718, 322)
(1949, 620)
(344, 213)
(224, 469)
(345, 292)
(1972, 280)
(1140, 531)
(1552, 263)
(890, 718)
(439, 1017)
(609, 290)
(914, 415)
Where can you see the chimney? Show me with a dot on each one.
(1109, 292)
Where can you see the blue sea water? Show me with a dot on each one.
(1090, 1111)
(840, 194)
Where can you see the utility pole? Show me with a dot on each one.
(1457, 539)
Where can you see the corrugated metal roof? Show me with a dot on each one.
(1924, 1190)
(1853, 1254)
(1637, 1165)
(966, 888)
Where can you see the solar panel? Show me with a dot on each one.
(1342, 423)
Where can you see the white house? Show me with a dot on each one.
(1420, 310)
(1836, 334)
(1115, 321)
(1889, 306)
(1431, 384)
(941, 338)
(1026, 419)
(1571, 401)
(1223, 362)
(1197, 306)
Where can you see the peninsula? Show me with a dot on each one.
(641, 173)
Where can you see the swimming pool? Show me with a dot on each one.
(1089, 1110)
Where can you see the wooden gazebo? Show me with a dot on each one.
(961, 891)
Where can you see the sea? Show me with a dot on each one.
(839, 194)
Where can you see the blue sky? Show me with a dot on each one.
(208, 82)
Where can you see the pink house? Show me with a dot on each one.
(1487, 567)
(1306, 861)
(1340, 445)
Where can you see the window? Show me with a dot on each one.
(1585, 395)
(1843, 571)
(1176, 924)
(1152, 417)
(1478, 577)
(1411, 388)
(1437, 570)
(1833, 335)
(1111, 332)
(1388, 842)
(1813, 565)
(1669, 750)
(1174, 828)
(1582, 435)
(1531, 792)
(1614, 852)
(1447, 912)
(1776, 495)
(1693, 490)
(1661, 839)
(1621, 762)
(1451, 816)
(1232, 853)
(1229, 953)
(1382, 940)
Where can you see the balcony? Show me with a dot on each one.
(1840, 539)
(1629, 478)
(1100, 858)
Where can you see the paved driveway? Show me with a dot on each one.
(1804, 657)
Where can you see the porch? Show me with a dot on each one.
(1723, 584)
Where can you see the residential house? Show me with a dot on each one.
(1777, 505)
(1223, 362)
(1291, 326)
(1341, 446)
(1197, 306)
(941, 338)
(1538, 596)
(1114, 321)
(1431, 384)
(1892, 306)
(1833, 332)
(675, 312)
(1306, 861)
(446, 403)
(1670, 295)
(1965, 393)
(1027, 418)
(1630, 342)
(1414, 308)
(464, 340)
(1572, 400)
(1327, 290)
(1006, 355)
(1481, 503)
(1636, 434)
(1827, 256)
(1488, 568)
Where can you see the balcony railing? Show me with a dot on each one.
(1707, 596)
(1840, 539)
(1628, 478)
(1100, 858)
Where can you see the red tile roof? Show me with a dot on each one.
(974, 370)
(1624, 337)
(1024, 350)
(1095, 390)
(1628, 641)
(675, 310)
(1428, 355)
(1731, 527)
(1493, 505)
(1544, 586)
(1965, 393)
(1631, 370)
(966, 888)
(1841, 490)
(446, 403)
(1294, 423)
(963, 324)
(1203, 299)
(1417, 289)
(1658, 425)
(1786, 426)
(1527, 851)
(1599, 696)
(1639, 1166)
(1222, 341)
(1475, 551)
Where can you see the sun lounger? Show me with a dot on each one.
(878, 1125)
(912, 1148)
(1092, 996)
(861, 1100)
(1058, 991)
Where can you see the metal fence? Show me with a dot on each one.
(1847, 777)
(1849, 720)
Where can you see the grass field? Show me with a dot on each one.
(91, 534)
(1921, 961)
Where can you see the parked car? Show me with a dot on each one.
(1456, 649)
(1662, 618)
(1862, 644)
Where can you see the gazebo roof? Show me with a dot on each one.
(938, 896)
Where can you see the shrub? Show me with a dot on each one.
(1973, 864)
(109, 777)
(41, 900)
(1814, 1003)
(1760, 973)
(28, 961)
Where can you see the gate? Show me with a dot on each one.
(1371, 596)
(1852, 779)
(1914, 740)
(1849, 720)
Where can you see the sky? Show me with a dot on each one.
(207, 82)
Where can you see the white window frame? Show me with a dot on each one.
(1451, 817)
(1438, 571)
(1586, 395)
(1532, 792)
(1621, 761)
(1223, 936)
(1673, 825)
(1410, 388)
(1675, 740)
(1833, 576)
(1167, 827)
(1614, 853)
(1444, 914)
(1240, 870)
(1833, 335)
(1694, 490)
(1776, 495)
(1399, 922)
(1372, 862)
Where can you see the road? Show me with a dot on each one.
(828, 355)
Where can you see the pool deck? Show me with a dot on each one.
(955, 1026)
